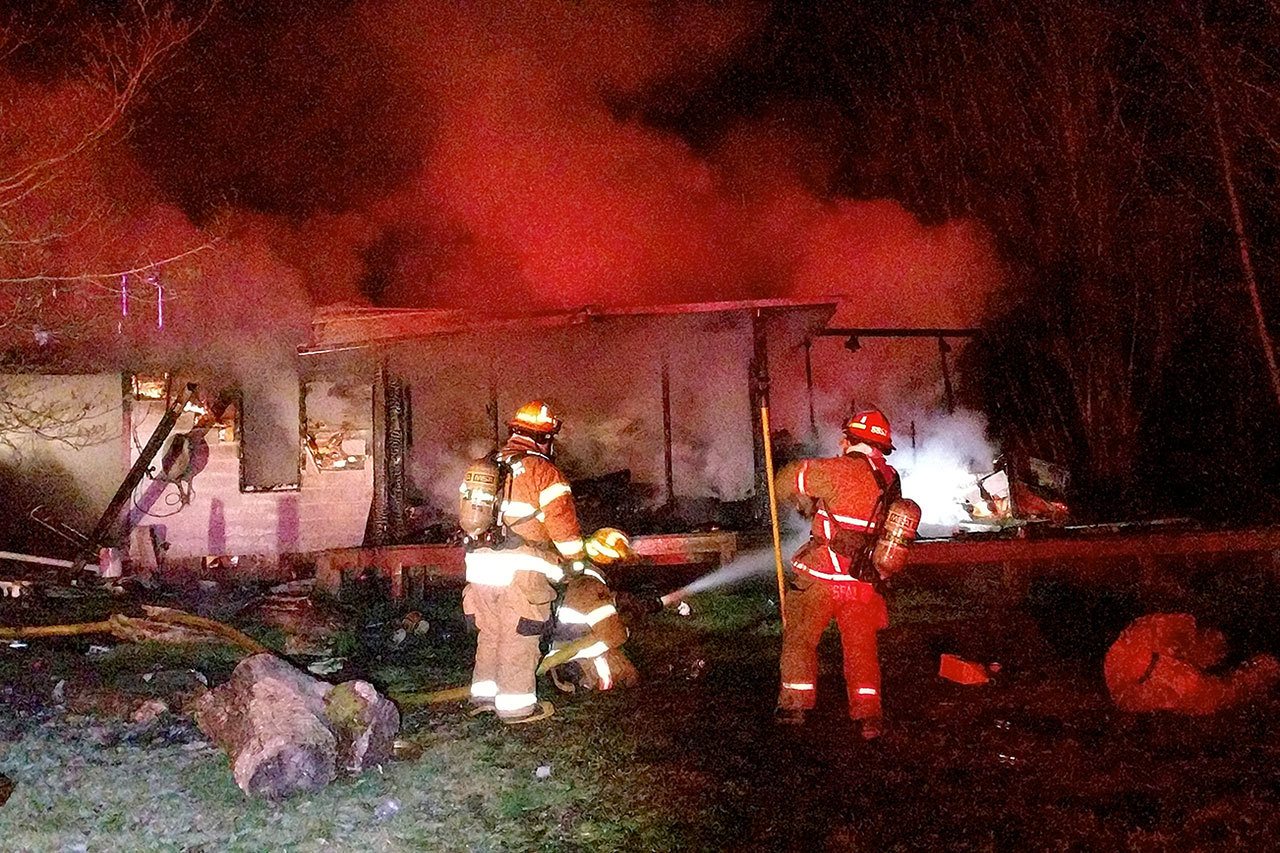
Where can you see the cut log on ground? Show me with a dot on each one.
(285, 731)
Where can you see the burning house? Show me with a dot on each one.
(363, 439)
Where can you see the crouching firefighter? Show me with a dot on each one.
(521, 527)
(588, 613)
(835, 576)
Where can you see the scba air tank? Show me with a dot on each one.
(900, 526)
(478, 505)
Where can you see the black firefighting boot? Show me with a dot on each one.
(789, 716)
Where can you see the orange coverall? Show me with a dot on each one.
(844, 494)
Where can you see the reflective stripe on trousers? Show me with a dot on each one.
(809, 609)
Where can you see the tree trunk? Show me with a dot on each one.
(286, 731)
(1237, 214)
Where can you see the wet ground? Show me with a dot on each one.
(1035, 760)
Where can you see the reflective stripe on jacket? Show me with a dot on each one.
(846, 494)
(588, 608)
(538, 504)
(489, 567)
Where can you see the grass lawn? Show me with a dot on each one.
(687, 761)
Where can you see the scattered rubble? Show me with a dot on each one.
(15, 589)
(307, 624)
(326, 665)
(287, 732)
(150, 711)
(406, 750)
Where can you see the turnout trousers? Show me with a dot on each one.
(859, 612)
(509, 621)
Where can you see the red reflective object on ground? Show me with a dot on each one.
(962, 671)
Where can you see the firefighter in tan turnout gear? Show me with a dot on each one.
(847, 497)
(511, 567)
(589, 611)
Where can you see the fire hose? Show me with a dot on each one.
(564, 654)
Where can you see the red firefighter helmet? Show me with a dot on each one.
(872, 427)
(535, 419)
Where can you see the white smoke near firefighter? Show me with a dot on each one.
(941, 472)
(941, 448)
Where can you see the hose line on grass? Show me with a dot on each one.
(564, 654)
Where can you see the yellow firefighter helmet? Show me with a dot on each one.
(535, 419)
(608, 545)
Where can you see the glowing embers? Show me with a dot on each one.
(1017, 491)
(211, 414)
(150, 386)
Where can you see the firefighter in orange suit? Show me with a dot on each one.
(509, 589)
(589, 611)
(847, 497)
(1159, 663)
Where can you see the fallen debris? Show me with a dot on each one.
(308, 625)
(15, 589)
(150, 711)
(305, 586)
(287, 732)
(327, 665)
(406, 750)
(161, 624)
(413, 623)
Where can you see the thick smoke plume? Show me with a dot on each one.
(499, 160)
(495, 157)
(537, 190)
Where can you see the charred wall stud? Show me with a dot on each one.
(398, 436)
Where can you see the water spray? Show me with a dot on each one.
(753, 562)
(749, 564)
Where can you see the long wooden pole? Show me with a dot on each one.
(667, 454)
(773, 512)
